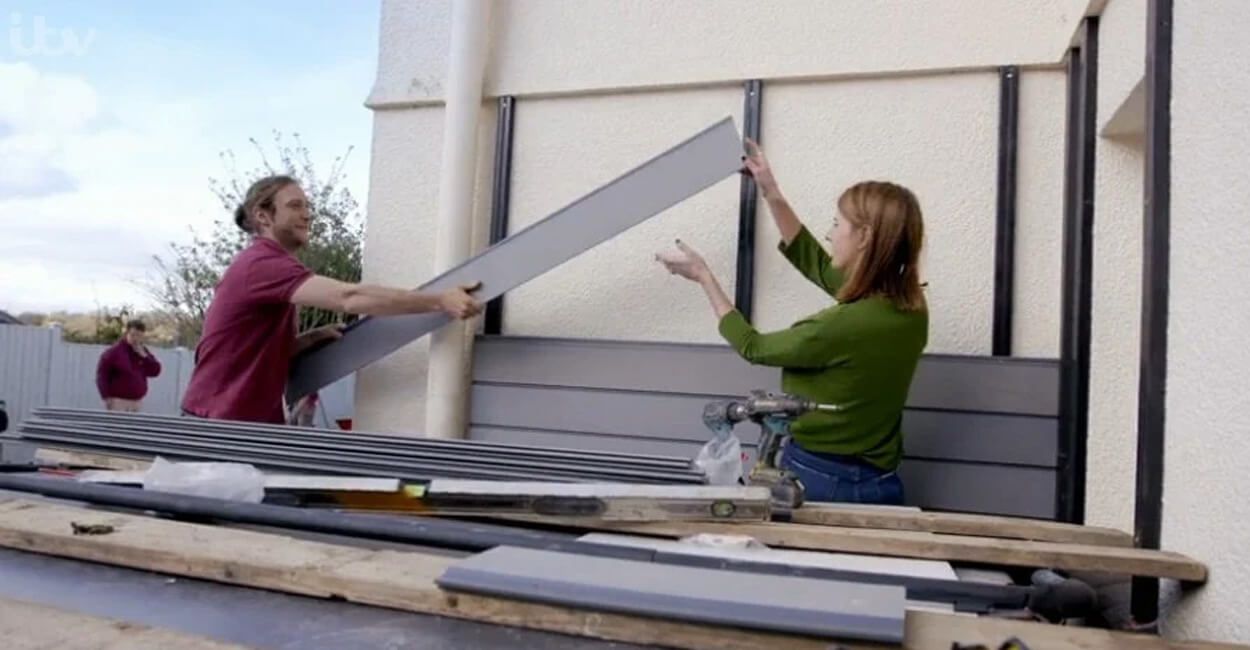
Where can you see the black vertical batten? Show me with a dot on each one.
(1078, 256)
(1156, 243)
(1005, 232)
(501, 194)
(1064, 485)
(744, 286)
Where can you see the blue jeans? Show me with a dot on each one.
(826, 479)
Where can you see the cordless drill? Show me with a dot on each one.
(772, 412)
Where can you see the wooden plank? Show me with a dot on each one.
(405, 581)
(26, 625)
(74, 458)
(828, 514)
(934, 546)
(812, 559)
(936, 631)
(950, 382)
(393, 579)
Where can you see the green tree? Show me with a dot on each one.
(187, 276)
(108, 327)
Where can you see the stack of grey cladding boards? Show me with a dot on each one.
(688, 168)
(821, 608)
(328, 451)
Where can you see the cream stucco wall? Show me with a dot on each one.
(1115, 326)
(1115, 323)
(566, 147)
(823, 137)
(1206, 493)
(571, 46)
(1039, 214)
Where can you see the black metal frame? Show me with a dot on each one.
(501, 194)
(1078, 254)
(744, 286)
(1005, 231)
(1151, 402)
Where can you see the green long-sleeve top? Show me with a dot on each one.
(859, 355)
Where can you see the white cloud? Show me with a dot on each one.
(97, 180)
(86, 200)
(44, 104)
(37, 113)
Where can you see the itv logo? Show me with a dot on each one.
(35, 37)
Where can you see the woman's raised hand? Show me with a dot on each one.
(757, 165)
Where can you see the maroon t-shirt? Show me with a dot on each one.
(245, 351)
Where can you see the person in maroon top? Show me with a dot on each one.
(122, 373)
(249, 335)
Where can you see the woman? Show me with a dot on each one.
(859, 354)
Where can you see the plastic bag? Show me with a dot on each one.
(230, 481)
(721, 460)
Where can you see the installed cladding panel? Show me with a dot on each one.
(981, 433)
(825, 608)
(688, 168)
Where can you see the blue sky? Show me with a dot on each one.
(113, 121)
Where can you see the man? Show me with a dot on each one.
(249, 336)
(123, 370)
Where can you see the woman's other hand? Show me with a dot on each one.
(686, 262)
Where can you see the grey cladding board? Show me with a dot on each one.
(16, 452)
(653, 367)
(670, 417)
(980, 434)
(824, 608)
(948, 382)
(997, 385)
(354, 440)
(683, 171)
(979, 488)
(982, 437)
(657, 420)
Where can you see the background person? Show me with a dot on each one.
(123, 370)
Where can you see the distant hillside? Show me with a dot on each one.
(104, 326)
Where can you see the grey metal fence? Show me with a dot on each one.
(38, 368)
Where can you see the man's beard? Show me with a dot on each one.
(291, 239)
